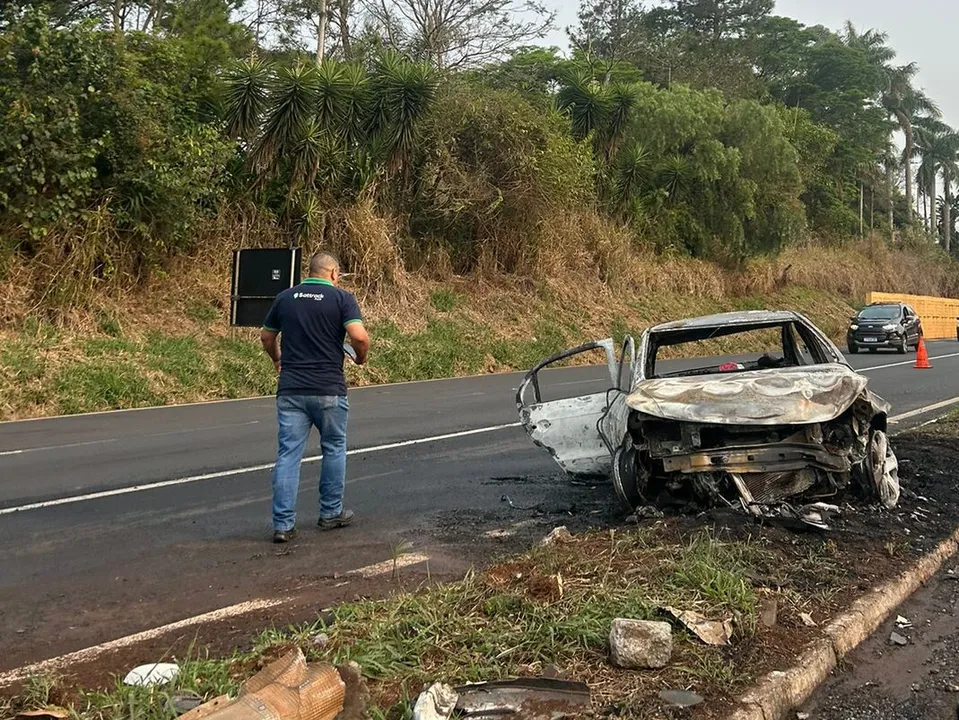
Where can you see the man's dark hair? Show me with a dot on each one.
(323, 260)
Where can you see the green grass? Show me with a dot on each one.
(44, 371)
(444, 300)
(490, 623)
(94, 385)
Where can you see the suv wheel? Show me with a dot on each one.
(854, 349)
(903, 346)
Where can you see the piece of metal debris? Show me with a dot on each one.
(152, 674)
(711, 632)
(646, 512)
(903, 622)
(897, 639)
(435, 703)
(681, 698)
(558, 536)
(802, 716)
(807, 619)
(507, 499)
(526, 699)
(184, 702)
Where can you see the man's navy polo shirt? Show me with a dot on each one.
(311, 319)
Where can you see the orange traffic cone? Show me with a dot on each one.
(922, 357)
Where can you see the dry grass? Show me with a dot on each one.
(583, 278)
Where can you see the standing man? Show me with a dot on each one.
(314, 318)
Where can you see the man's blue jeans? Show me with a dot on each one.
(296, 416)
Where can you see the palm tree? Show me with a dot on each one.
(907, 105)
(940, 156)
(903, 102)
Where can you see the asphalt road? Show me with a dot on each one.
(75, 572)
(915, 681)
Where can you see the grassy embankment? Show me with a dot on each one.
(169, 341)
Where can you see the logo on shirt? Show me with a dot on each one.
(308, 295)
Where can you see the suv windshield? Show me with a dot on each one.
(879, 312)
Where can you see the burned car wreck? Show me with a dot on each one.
(786, 433)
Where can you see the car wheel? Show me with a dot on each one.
(879, 470)
(854, 349)
(626, 478)
(903, 346)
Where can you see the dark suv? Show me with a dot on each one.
(884, 325)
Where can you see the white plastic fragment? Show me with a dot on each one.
(152, 674)
(435, 703)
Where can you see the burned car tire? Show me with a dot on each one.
(878, 473)
(626, 478)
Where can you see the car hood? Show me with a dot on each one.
(790, 396)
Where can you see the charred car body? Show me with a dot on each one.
(778, 434)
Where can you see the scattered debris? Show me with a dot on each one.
(769, 612)
(153, 674)
(560, 535)
(802, 716)
(646, 512)
(507, 499)
(681, 698)
(807, 619)
(288, 688)
(524, 699)
(711, 632)
(53, 713)
(356, 702)
(320, 641)
(903, 622)
(952, 688)
(184, 702)
(897, 639)
(435, 703)
(635, 644)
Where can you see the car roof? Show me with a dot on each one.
(884, 304)
(742, 317)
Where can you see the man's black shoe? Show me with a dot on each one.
(341, 520)
(283, 536)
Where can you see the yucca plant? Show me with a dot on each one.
(332, 129)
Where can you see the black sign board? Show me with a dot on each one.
(259, 275)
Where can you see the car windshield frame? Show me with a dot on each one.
(895, 310)
(677, 337)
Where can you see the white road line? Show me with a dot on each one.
(23, 451)
(905, 362)
(232, 611)
(241, 471)
(91, 653)
(193, 431)
(386, 566)
(924, 410)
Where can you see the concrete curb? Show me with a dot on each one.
(783, 691)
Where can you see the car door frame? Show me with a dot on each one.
(581, 433)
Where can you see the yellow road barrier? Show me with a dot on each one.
(938, 314)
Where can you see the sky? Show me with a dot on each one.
(921, 31)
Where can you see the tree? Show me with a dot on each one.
(332, 129)
(459, 34)
(940, 156)
(611, 29)
(900, 98)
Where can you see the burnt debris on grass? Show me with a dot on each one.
(549, 610)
